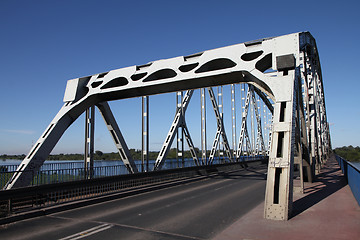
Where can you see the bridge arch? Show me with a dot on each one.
(277, 66)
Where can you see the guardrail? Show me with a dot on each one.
(73, 171)
(35, 197)
(352, 175)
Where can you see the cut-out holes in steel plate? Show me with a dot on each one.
(216, 64)
(96, 84)
(161, 74)
(138, 76)
(251, 56)
(188, 67)
(116, 82)
(265, 63)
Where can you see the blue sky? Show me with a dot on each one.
(45, 43)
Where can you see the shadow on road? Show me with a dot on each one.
(257, 173)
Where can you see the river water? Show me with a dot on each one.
(11, 164)
(97, 163)
(356, 164)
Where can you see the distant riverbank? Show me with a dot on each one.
(98, 155)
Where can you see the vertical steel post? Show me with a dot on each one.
(252, 108)
(233, 120)
(180, 130)
(145, 134)
(242, 111)
(265, 128)
(221, 111)
(86, 142)
(178, 104)
(89, 142)
(203, 126)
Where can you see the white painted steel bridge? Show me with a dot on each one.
(275, 83)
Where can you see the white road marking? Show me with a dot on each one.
(88, 232)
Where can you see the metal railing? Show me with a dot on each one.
(28, 198)
(72, 171)
(352, 175)
(48, 165)
(64, 174)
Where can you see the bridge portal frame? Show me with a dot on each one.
(272, 65)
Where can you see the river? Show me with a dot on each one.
(356, 164)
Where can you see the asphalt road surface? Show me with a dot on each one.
(192, 210)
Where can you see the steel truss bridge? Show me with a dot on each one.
(282, 111)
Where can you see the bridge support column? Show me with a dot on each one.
(279, 187)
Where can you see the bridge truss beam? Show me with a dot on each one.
(277, 67)
(178, 122)
(117, 136)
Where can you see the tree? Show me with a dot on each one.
(349, 153)
(99, 153)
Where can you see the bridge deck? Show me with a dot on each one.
(327, 210)
(227, 205)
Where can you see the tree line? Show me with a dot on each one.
(349, 153)
(99, 155)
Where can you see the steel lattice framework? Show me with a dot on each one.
(284, 72)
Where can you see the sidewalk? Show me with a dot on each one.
(327, 210)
